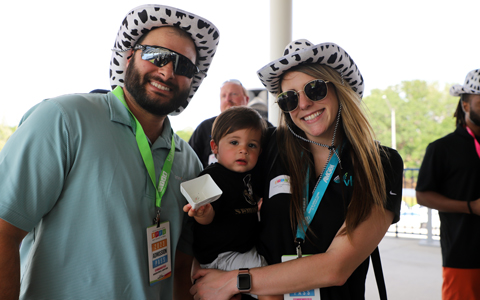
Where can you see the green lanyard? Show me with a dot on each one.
(147, 157)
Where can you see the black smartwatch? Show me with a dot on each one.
(244, 280)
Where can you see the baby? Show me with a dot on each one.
(225, 231)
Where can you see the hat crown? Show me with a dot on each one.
(470, 86)
(302, 51)
(297, 45)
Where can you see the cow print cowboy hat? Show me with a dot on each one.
(304, 52)
(144, 18)
(471, 85)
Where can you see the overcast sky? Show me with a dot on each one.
(50, 48)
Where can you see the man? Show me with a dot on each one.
(449, 182)
(232, 93)
(87, 178)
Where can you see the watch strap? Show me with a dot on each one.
(244, 271)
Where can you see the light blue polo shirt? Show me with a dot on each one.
(73, 177)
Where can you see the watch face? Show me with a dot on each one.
(243, 282)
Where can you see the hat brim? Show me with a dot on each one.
(144, 18)
(328, 54)
(457, 90)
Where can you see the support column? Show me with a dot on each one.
(280, 36)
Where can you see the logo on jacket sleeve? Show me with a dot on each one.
(279, 185)
(348, 180)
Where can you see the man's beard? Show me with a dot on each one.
(474, 117)
(135, 86)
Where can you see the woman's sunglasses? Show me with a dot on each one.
(315, 90)
(160, 56)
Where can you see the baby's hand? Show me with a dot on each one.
(199, 212)
(204, 214)
(187, 208)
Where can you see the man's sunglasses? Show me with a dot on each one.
(160, 56)
(315, 90)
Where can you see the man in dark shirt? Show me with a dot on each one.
(449, 182)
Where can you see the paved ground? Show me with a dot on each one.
(412, 270)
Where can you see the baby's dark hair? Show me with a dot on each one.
(237, 118)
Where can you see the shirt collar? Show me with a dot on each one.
(119, 114)
(463, 132)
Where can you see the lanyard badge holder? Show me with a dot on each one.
(158, 235)
(302, 227)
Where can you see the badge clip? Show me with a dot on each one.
(156, 220)
(299, 247)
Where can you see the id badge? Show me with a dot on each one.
(159, 255)
(306, 295)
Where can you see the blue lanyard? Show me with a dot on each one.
(316, 198)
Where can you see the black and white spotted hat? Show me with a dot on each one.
(144, 18)
(304, 52)
(471, 85)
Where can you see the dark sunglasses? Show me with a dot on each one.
(315, 90)
(160, 56)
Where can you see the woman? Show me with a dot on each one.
(331, 190)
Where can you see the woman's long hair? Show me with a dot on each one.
(369, 183)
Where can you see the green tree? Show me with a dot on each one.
(423, 113)
(185, 134)
(5, 133)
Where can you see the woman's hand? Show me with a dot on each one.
(213, 284)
